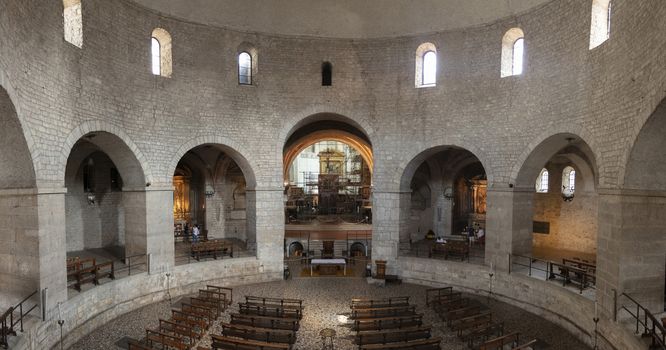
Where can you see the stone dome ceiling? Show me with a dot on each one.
(342, 18)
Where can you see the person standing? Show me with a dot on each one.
(195, 234)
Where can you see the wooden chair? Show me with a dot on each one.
(327, 251)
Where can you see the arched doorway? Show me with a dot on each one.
(20, 270)
(327, 167)
(105, 203)
(213, 191)
(444, 200)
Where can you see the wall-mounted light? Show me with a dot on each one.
(567, 194)
(448, 193)
(91, 198)
(210, 191)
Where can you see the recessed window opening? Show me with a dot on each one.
(326, 74)
(429, 68)
(155, 56)
(517, 59)
(600, 24)
(73, 22)
(568, 181)
(541, 185)
(245, 68)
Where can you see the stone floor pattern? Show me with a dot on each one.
(324, 299)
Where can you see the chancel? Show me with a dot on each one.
(311, 174)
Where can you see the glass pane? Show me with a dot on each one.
(155, 55)
(244, 68)
(429, 68)
(518, 48)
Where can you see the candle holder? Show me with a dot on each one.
(596, 324)
(61, 323)
(490, 286)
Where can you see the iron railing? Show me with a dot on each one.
(8, 323)
(643, 319)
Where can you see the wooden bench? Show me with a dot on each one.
(166, 340)
(444, 298)
(435, 293)
(222, 342)
(273, 311)
(580, 276)
(376, 324)
(222, 293)
(284, 303)
(463, 325)
(105, 269)
(481, 334)
(195, 321)
(372, 303)
(212, 248)
(499, 342)
(456, 249)
(378, 312)
(133, 344)
(209, 314)
(527, 346)
(265, 321)
(392, 335)
(426, 344)
(184, 331)
(461, 312)
(260, 334)
(448, 305)
(211, 304)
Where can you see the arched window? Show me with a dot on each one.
(568, 181)
(600, 23)
(326, 74)
(426, 65)
(542, 182)
(73, 22)
(244, 68)
(513, 52)
(160, 48)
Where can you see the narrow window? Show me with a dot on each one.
(517, 62)
(89, 175)
(429, 68)
(600, 24)
(541, 185)
(426, 65)
(245, 68)
(513, 53)
(568, 181)
(73, 22)
(326, 74)
(155, 54)
(160, 53)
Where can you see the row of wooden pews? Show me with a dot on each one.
(188, 325)
(472, 321)
(261, 324)
(87, 270)
(390, 323)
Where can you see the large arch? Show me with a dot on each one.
(20, 270)
(313, 114)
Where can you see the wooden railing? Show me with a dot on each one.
(644, 319)
(8, 323)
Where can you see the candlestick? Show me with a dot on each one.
(596, 309)
(59, 314)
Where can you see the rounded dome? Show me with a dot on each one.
(341, 18)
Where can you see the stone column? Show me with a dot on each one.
(134, 203)
(266, 208)
(404, 233)
(215, 213)
(508, 224)
(159, 228)
(52, 244)
(388, 212)
(631, 247)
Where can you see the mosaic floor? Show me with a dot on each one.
(324, 299)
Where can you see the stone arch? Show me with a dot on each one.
(646, 159)
(545, 146)
(233, 149)
(18, 170)
(313, 114)
(125, 154)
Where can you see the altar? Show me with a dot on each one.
(328, 263)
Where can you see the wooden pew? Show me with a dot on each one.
(426, 344)
(185, 332)
(265, 321)
(222, 342)
(435, 293)
(371, 303)
(465, 324)
(456, 249)
(392, 335)
(527, 346)
(166, 340)
(213, 305)
(205, 312)
(103, 270)
(133, 344)
(212, 248)
(276, 302)
(580, 276)
(273, 311)
(448, 305)
(376, 324)
(225, 293)
(259, 334)
(461, 312)
(378, 312)
(499, 342)
(481, 334)
(85, 275)
(195, 321)
(445, 298)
